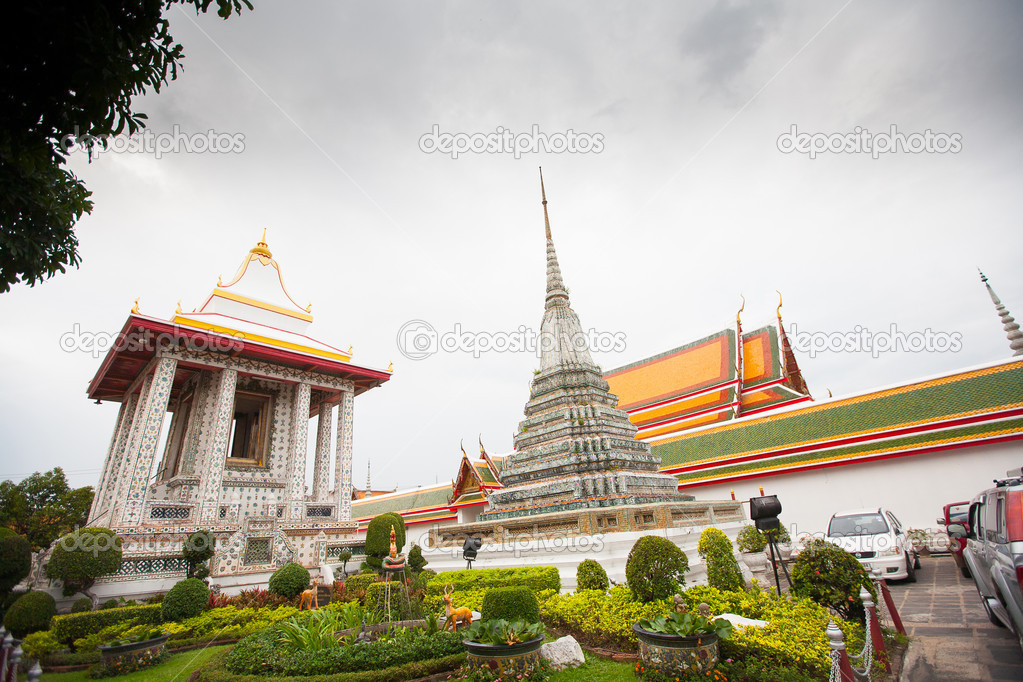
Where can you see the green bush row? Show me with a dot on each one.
(68, 628)
(214, 671)
(510, 603)
(536, 578)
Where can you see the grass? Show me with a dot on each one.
(177, 667)
(595, 670)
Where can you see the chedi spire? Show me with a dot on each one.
(1009, 324)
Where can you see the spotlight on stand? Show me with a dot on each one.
(764, 511)
(469, 549)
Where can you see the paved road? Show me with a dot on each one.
(952, 637)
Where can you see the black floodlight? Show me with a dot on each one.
(764, 511)
(469, 550)
(764, 507)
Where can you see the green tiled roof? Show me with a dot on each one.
(485, 473)
(424, 498)
(979, 391)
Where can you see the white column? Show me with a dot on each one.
(321, 465)
(297, 444)
(211, 480)
(148, 437)
(343, 460)
(119, 486)
(109, 461)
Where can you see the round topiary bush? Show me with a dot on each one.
(80, 557)
(15, 559)
(415, 558)
(30, 613)
(289, 581)
(656, 568)
(750, 540)
(186, 599)
(110, 604)
(81, 605)
(590, 575)
(510, 603)
(378, 537)
(830, 576)
(722, 569)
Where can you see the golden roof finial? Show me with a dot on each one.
(463, 449)
(738, 315)
(778, 309)
(309, 308)
(390, 367)
(483, 450)
(177, 311)
(261, 248)
(350, 347)
(135, 306)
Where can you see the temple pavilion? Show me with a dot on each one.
(238, 378)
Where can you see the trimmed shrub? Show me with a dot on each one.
(186, 599)
(80, 557)
(344, 557)
(415, 559)
(601, 619)
(750, 540)
(110, 604)
(81, 605)
(74, 626)
(830, 576)
(40, 644)
(15, 559)
(656, 568)
(535, 578)
(7, 600)
(32, 612)
(198, 549)
(378, 538)
(510, 603)
(289, 581)
(590, 575)
(722, 569)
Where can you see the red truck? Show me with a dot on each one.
(957, 512)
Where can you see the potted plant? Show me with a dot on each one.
(751, 543)
(783, 543)
(504, 646)
(678, 642)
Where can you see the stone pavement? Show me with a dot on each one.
(952, 638)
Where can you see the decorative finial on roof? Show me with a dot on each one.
(777, 311)
(466, 456)
(1009, 323)
(135, 306)
(309, 308)
(483, 450)
(261, 248)
(556, 293)
(368, 487)
(738, 315)
(177, 311)
(390, 367)
(350, 347)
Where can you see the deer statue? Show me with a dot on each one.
(455, 616)
(309, 598)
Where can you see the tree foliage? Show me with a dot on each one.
(82, 556)
(199, 548)
(832, 577)
(378, 537)
(42, 507)
(590, 575)
(15, 559)
(70, 72)
(655, 569)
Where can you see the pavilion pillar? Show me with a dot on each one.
(109, 462)
(297, 446)
(211, 480)
(147, 436)
(343, 461)
(321, 465)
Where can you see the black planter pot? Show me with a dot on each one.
(673, 655)
(516, 658)
(111, 652)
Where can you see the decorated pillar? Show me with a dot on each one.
(216, 456)
(108, 462)
(343, 461)
(148, 436)
(321, 465)
(297, 445)
(119, 485)
(106, 493)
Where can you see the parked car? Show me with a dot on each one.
(877, 539)
(957, 512)
(994, 550)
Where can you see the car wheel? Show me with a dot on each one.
(910, 570)
(965, 570)
(991, 614)
(916, 560)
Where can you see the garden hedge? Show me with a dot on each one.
(74, 626)
(536, 578)
(289, 581)
(31, 612)
(510, 603)
(214, 671)
(186, 599)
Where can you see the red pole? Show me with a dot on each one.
(876, 638)
(837, 644)
(890, 603)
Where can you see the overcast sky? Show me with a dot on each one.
(685, 203)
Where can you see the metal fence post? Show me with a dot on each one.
(837, 644)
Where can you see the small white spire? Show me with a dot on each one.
(1009, 324)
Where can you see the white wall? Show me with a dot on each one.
(914, 488)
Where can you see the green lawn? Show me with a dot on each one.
(595, 670)
(177, 667)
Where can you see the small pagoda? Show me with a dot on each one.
(575, 449)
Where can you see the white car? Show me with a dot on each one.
(877, 539)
